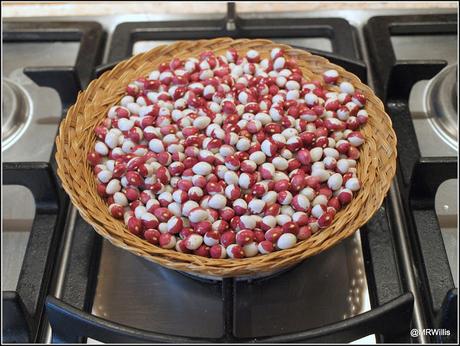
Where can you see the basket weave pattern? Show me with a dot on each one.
(375, 168)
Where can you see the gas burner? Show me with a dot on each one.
(441, 103)
(16, 109)
(247, 278)
(433, 106)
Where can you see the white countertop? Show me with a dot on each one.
(95, 8)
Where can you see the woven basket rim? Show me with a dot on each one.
(73, 130)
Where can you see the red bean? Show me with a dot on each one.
(214, 147)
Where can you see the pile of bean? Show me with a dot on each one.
(230, 155)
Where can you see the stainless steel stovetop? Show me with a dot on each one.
(30, 120)
(121, 273)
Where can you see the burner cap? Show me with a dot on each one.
(15, 109)
(442, 104)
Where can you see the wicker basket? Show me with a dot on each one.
(76, 138)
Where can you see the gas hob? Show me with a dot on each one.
(364, 287)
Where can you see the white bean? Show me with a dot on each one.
(101, 148)
(347, 87)
(113, 186)
(280, 163)
(156, 145)
(217, 201)
(286, 241)
(258, 157)
(202, 168)
(316, 154)
(335, 181)
(352, 184)
(104, 176)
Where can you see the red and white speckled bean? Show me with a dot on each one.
(227, 144)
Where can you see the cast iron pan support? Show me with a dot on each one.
(438, 286)
(392, 319)
(23, 307)
(377, 242)
(89, 34)
(394, 78)
(392, 314)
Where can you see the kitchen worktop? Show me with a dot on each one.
(84, 8)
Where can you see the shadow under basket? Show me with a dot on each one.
(375, 167)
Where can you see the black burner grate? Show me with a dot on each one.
(418, 177)
(24, 307)
(391, 312)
